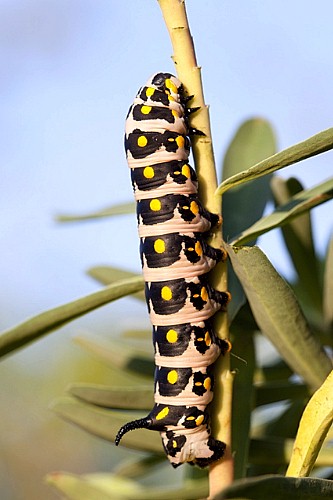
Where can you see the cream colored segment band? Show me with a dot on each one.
(175, 225)
(159, 156)
(183, 268)
(169, 187)
(188, 314)
(190, 358)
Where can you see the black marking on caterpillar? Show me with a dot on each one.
(175, 259)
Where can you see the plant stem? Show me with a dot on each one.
(189, 73)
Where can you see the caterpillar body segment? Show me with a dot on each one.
(175, 260)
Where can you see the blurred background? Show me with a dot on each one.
(69, 70)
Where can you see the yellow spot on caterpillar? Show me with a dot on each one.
(194, 208)
(174, 113)
(166, 293)
(177, 172)
(208, 340)
(150, 91)
(207, 383)
(163, 413)
(142, 141)
(196, 295)
(155, 205)
(180, 141)
(204, 294)
(198, 248)
(159, 246)
(198, 384)
(174, 443)
(170, 98)
(190, 417)
(199, 420)
(172, 336)
(145, 110)
(185, 207)
(170, 85)
(186, 171)
(190, 249)
(148, 172)
(172, 377)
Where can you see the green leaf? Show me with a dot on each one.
(108, 274)
(277, 370)
(129, 398)
(140, 467)
(55, 318)
(278, 488)
(243, 396)
(328, 287)
(135, 359)
(299, 241)
(313, 428)
(106, 424)
(297, 205)
(253, 141)
(120, 209)
(276, 451)
(93, 486)
(112, 487)
(319, 143)
(271, 392)
(285, 424)
(278, 315)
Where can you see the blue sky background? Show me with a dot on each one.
(68, 73)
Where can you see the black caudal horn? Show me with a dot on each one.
(141, 423)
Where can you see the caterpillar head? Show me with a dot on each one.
(167, 83)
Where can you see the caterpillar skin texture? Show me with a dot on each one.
(175, 260)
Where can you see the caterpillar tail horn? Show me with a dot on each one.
(141, 423)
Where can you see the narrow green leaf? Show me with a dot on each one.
(243, 396)
(299, 242)
(319, 143)
(313, 428)
(129, 398)
(106, 424)
(328, 287)
(276, 451)
(108, 274)
(278, 315)
(279, 390)
(285, 424)
(120, 209)
(55, 318)
(135, 359)
(112, 487)
(278, 488)
(277, 370)
(93, 486)
(298, 204)
(253, 141)
(141, 466)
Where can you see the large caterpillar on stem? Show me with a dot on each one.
(175, 260)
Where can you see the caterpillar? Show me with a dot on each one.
(175, 260)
